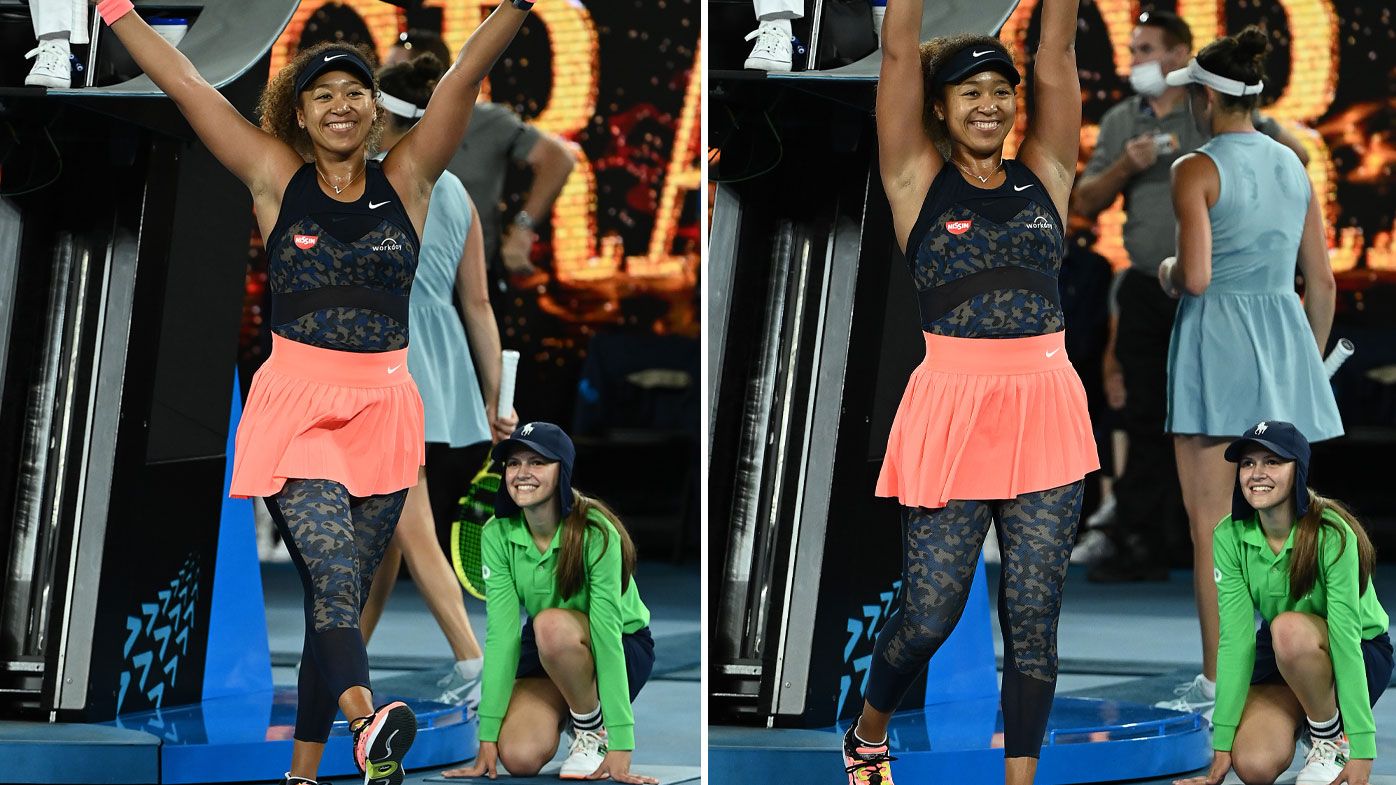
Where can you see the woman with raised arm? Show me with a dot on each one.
(993, 424)
(1243, 347)
(332, 431)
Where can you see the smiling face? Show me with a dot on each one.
(337, 111)
(978, 112)
(1267, 480)
(530, 478)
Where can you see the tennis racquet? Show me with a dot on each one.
(476, 509)
(477, 505)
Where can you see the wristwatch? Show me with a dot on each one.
(523, 220)
(523, 5)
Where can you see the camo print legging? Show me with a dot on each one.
(941, 548)
(336, 541)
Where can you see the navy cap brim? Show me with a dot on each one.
(334, 60)
(513, 444)
(1236, 449)
(965, 63)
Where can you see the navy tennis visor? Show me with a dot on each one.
(334, 60)
(971, 60)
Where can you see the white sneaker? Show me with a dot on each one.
(1192, 698)
(456, 690)
(1324, 762)
(1093, 548)
(1103, 514)
(51, 67)
(587, 751)
(772, 50)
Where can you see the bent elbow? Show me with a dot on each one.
(1195, 285)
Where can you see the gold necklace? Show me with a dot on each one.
(985, 178)
(338, 189)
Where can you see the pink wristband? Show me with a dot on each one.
(112, 10)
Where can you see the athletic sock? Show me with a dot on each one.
(1209, 688)
(590, 721)
(1329, 729)
(470, 669)
(862, 740)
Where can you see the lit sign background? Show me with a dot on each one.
(1330, 79)
(619, 79)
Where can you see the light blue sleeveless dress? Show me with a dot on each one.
(1243, 351)
(438, 356)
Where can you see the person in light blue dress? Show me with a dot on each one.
(1244, 347)
(457, 401)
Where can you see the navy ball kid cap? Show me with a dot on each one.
(971, 60)
(547, 440)
(1284, 440)
(334, 59)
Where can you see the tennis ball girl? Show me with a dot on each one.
(1321, 656)
(586, 649)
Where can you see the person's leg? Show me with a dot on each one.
(416, 536)
(1036, 531)
(532, 726)
(1146, 489)
(1301, 652)
(772, 51)
(564, 648)
(383, 582)
(316, 523)
(53, 28)
(1207, 480)
(1264, 743)
(940, 550)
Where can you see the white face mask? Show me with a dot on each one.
(1147, 79)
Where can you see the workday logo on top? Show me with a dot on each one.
(389, 244)
(1040, 222)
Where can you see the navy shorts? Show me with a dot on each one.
(638, 647)
(1376, 656)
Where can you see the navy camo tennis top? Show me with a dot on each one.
(985, 260)
(341, 273)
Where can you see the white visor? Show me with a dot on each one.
(400, 107)
(1196, 74)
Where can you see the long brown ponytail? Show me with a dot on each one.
(1303, 562)
(572, 566)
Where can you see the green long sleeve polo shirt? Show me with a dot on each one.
(1250, 576)
(517, 574)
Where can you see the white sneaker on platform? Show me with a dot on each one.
(1324, 762)
(51, 67)
(1093, 548)
(772, 50)
(1191, 697)
(587, 751)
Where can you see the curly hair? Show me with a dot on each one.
(278, 103)
(934, 54)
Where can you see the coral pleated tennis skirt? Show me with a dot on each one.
(988, 418)
(313, 413)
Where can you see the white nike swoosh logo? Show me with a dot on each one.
(373, 206)
(1054, 351)
(333, 57)
(395, 367)
(975, 54)
(1022, 187)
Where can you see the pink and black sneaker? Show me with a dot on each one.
(866, 764)
(381, 741)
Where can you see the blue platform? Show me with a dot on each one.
(958, 735)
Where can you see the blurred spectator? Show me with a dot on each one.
(1139, 140)
(496, 137)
